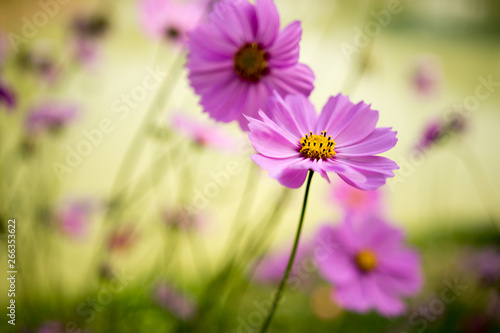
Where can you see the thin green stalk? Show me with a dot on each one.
(290, 261)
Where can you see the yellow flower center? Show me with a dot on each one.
(366, 260)
(250, 62)
(317, 146)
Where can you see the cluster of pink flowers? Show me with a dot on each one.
(246, 69)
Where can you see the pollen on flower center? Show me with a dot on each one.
(366, 260)
(250, 62)
(317, 146)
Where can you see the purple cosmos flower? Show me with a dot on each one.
(50, 116)
(203, 135)
(355, 201)
(485, 263)
(433, 133)
(427, 75)
(369, 266)
(74, 216)
(7, 96)
(291, 139)
(240, 57)
(175, 302)
(271, 268)
(171, 20)
(86, 40)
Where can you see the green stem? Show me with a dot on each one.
(290, 261)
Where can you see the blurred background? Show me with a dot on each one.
(130, 220)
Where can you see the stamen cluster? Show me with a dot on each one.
(317, 147)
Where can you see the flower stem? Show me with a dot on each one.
(290, 261)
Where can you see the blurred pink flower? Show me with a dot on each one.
(181, 219)
(74, 217)
(94, 26)
(433, 133)
(88, 32)
(87, 51)
(485, 263)
(50, 116)
(204, 135)
(171, 20)
(427, 75)
(354, 201)
(271, 268)
(240, 57)
(369, 266)
(7, 96)
(291, 138)
(122, 239)
(177, 303)
(51, 327)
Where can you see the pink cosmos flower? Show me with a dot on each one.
(168, 298)
(7, 96)
(433, 133)
(291, 139)
(74, 217)
(485, 263)
(427, 75)
(50, 116)
(369, 266)
(203, 135)
(171, 20)
(355, 201)
(240, 57)
(87, 35)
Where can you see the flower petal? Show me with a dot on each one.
(268, 22)
(365, 173)
(335, 262)
(379, 141)
(285, 49)
(401, 269)
(269, 140)
(345, 122)
(381, 299)
(296, 80)
(235, 20)
(353, 296)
